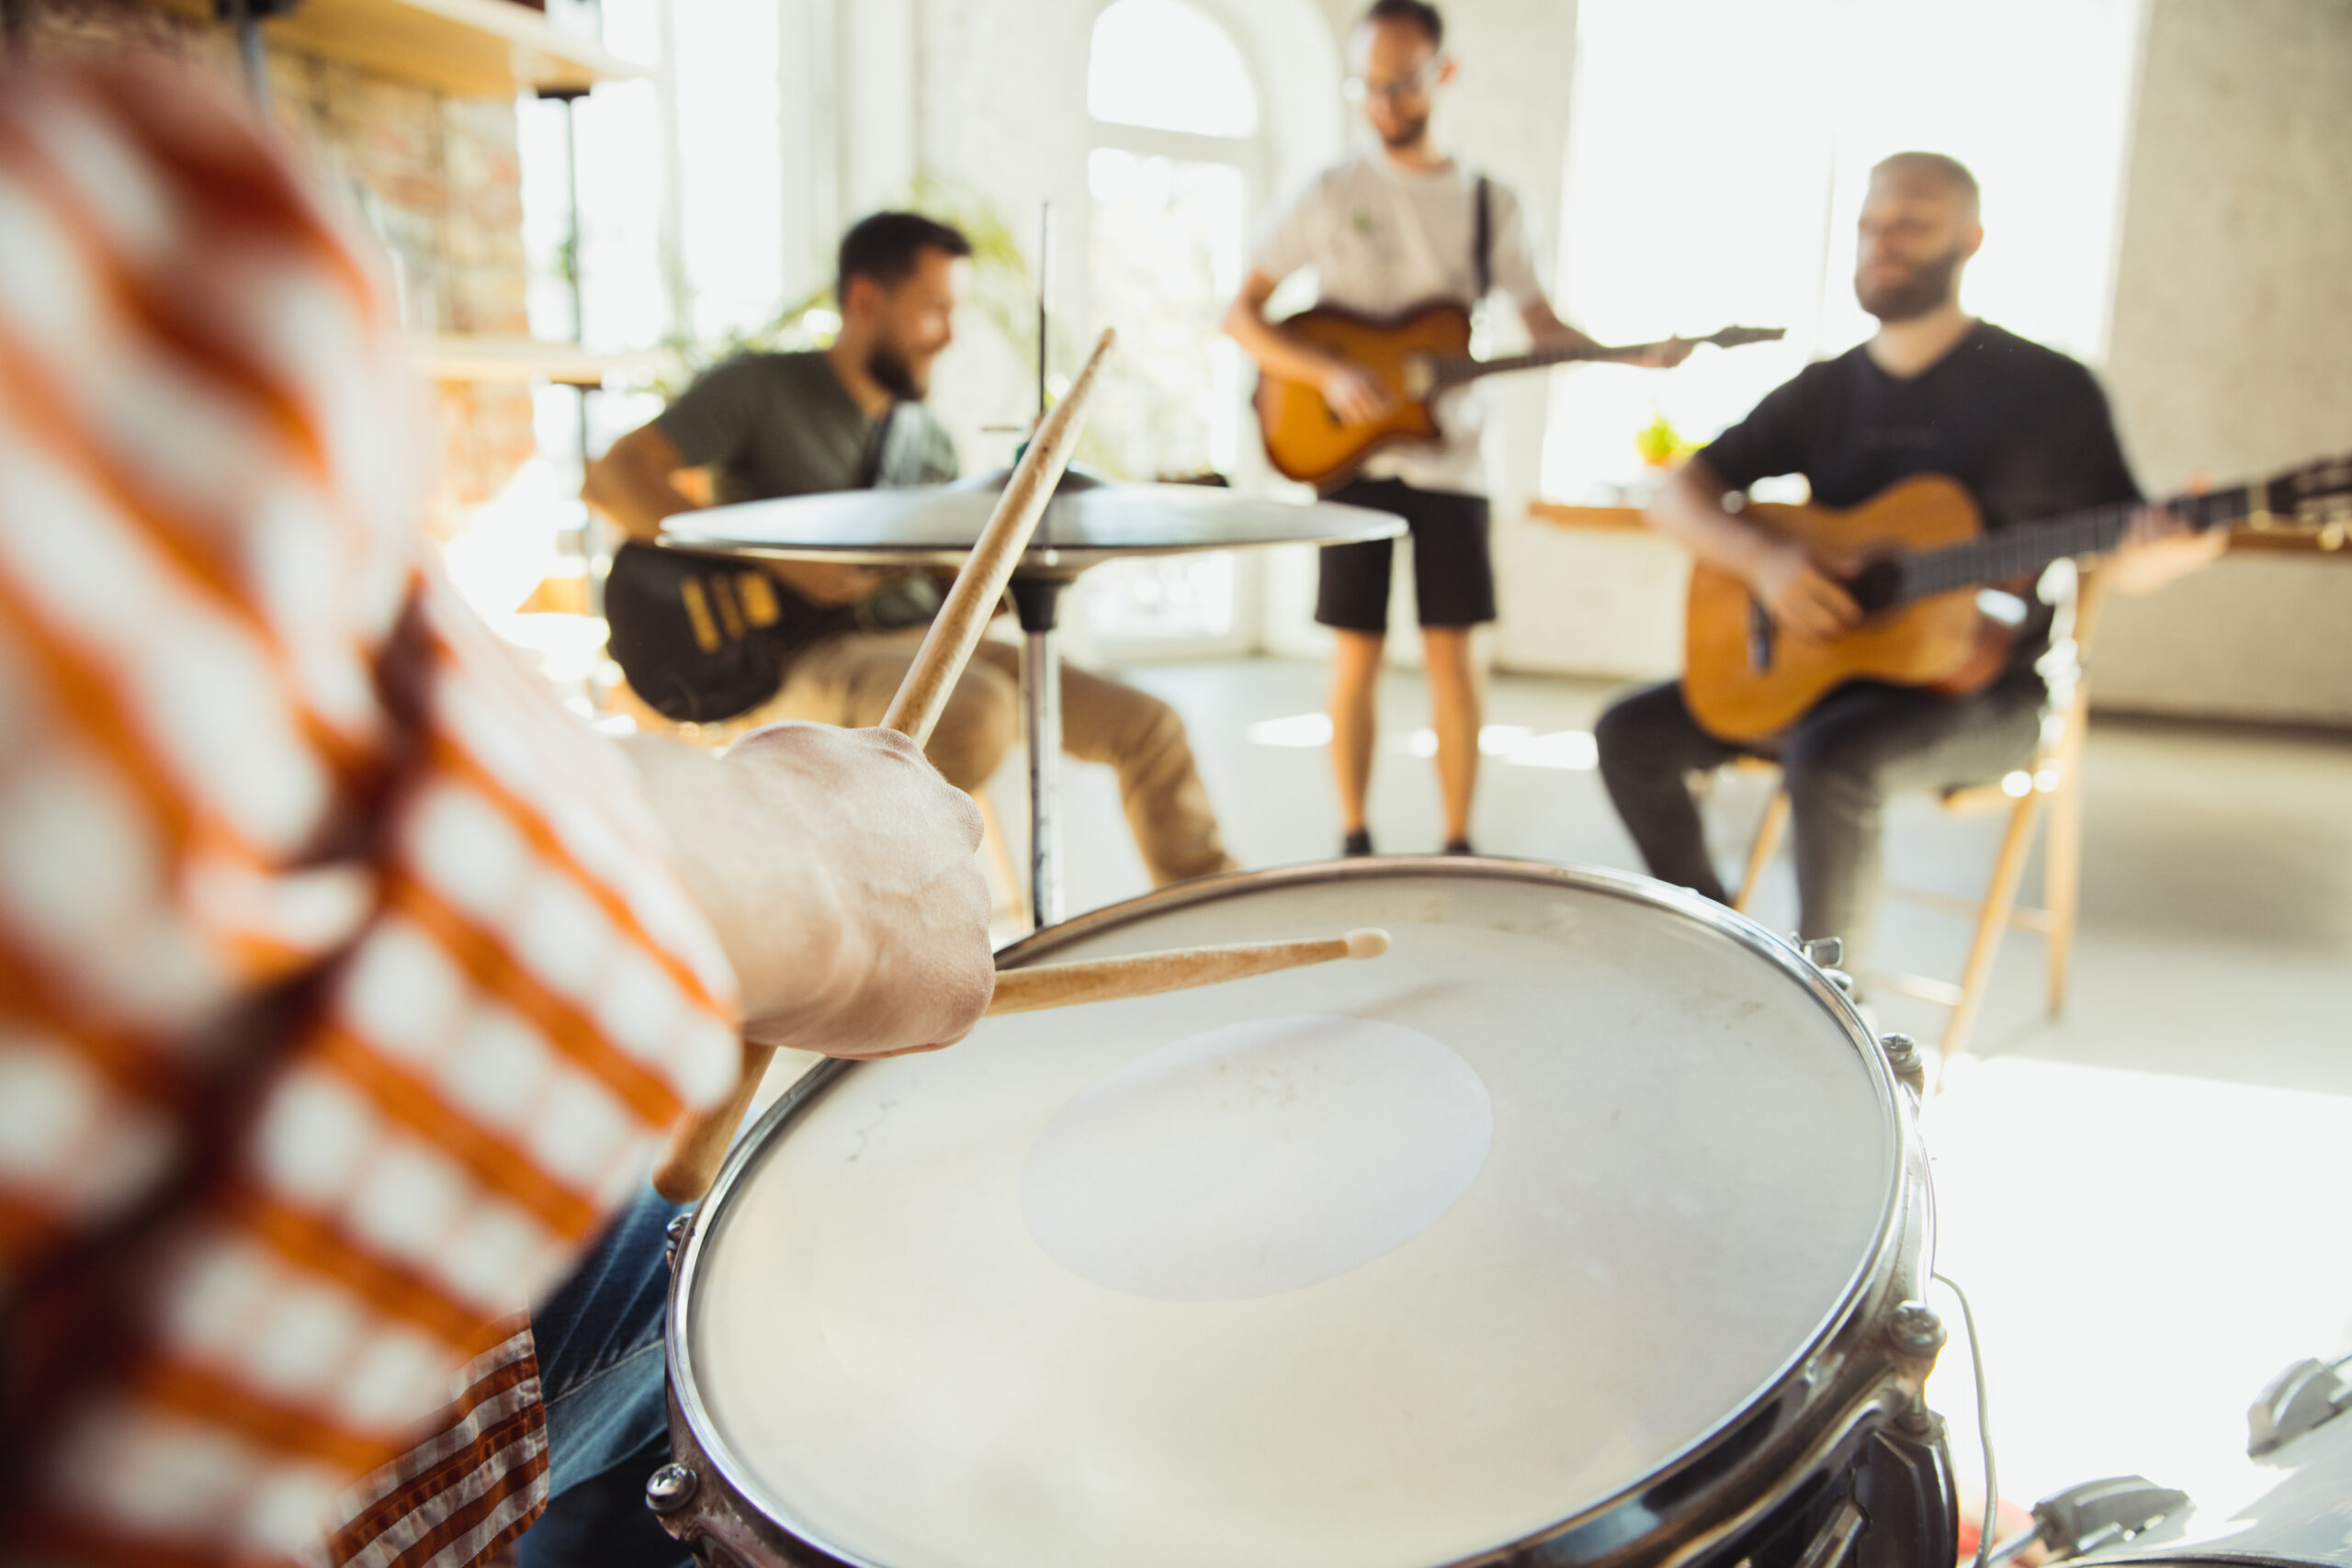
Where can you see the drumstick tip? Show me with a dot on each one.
(1369, 942)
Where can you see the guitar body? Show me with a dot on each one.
(1944, 642)
(1304, 440)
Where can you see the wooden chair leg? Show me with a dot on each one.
(1767, 845)
(2061, 880)
(1000, 855)
(2063, 851)
(2000, 899)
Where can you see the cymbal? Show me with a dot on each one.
(1089, 521)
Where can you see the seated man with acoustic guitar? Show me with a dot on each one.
(712, 639)
(2026, 433)
(1390, 233)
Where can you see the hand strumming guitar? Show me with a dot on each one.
(1354, 396)
(1803, 600)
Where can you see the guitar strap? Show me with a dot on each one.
(1482, 242)
(894, 452)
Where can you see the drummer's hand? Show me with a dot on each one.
(830, 583)
(840, 873)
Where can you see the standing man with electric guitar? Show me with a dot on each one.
(1403, 226)
(717, 640)
(2024, 430)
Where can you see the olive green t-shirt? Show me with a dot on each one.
(775, 424)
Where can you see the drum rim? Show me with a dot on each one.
(1879, 1262)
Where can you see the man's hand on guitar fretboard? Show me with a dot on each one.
(2159, 548)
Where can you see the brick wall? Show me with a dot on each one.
(446, 194)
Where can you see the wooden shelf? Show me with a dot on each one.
(521, 360)
(1608, 519)
(473, 47)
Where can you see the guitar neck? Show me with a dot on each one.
(1458, 369)
(2015, 552)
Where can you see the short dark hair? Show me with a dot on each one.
(1943, 167)
(885, 245)
(1414, 12)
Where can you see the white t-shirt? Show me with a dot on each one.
(1383, 239)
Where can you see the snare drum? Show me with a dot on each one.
(1579, 1228)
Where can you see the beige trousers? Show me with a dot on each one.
(851, 680)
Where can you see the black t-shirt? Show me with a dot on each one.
(2024, 428)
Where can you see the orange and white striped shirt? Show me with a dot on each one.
(344, 989)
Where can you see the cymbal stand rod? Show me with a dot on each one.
(1038, 601)
(1045, 281)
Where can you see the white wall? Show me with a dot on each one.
(2231, 345)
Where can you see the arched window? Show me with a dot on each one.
(1164, 65)
(1174, 176)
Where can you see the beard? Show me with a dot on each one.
(1408, 134)
(895, 374)
(1926, 288)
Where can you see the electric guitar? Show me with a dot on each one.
(1924, 553)
(1414, 356)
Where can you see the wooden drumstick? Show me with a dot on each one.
(690, 1164)
(1044, 985)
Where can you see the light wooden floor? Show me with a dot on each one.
(2146, 1198)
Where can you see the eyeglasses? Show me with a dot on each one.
(1414, 84)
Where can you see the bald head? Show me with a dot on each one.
(1933, 170)
(1918, 228)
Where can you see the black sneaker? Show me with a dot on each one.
(1356, 843)
(1459, 847)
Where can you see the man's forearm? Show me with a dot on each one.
(1277, 353)
(1689, 509)
(1545, 327)
(635, 499)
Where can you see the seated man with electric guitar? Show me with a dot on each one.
(1849, 644)
(714, 638)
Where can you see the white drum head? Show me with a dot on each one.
(1382, 1264)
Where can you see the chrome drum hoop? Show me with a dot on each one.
(1848, 1378)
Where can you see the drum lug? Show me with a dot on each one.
(673, 1236)
(671, 1488)
(1916, 1330)
(1903, 1056)
(1822, 952)
(2297, 1400)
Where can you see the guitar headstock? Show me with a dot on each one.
(2316, 495)
(1735, 337)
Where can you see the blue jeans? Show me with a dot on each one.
(599, 1342)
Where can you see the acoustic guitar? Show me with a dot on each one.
(1923, 554)
(1414, 356)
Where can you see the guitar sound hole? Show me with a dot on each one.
(1874, 587)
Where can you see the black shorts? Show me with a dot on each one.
(1453, 579)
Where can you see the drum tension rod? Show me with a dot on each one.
(1836, 1537)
